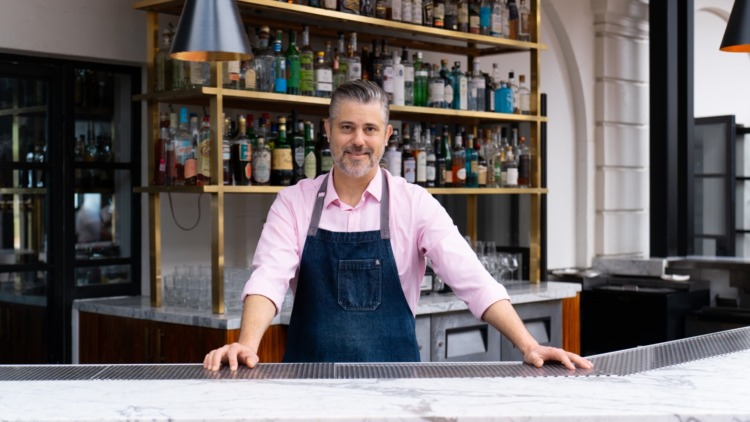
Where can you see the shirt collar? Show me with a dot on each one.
(374, 189)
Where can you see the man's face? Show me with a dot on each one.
(358, 137)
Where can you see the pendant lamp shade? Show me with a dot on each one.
(737, 35)
(211, 30)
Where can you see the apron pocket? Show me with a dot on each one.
(359, 285)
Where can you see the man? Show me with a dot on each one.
(352, 245)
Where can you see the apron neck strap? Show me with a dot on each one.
(385, 228)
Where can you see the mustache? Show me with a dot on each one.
(358, 149)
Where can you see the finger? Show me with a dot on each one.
(207, 361)
(582, 362)
(216, 357)
(232, 359)
(251, 360)
(565, 360)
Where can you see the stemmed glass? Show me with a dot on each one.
(493, 261)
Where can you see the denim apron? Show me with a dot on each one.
(349, 305)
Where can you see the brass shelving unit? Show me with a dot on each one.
(324, 22)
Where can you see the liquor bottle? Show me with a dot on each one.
(249, 76)
(482, 163)
(511, 169)
(264, 62)
(191, 159)
(524, 164)
(330, 4)
(501, 175)
(514, 90)
(489, 154)
(226, 154)
(448, 92)
(408, 77)
(451, 15)
(496, 19)
(367, 8)
(503, 99)
(341, 52)
(427, 16)
(204, 152)
(231, 74)
(307, 66)
(437, 90)
(241, 155)
(387, 65)
(353, 62)
(421, 81)
(310, 165)
(163, 63)
(430, 160)
(477, 89)
(407, 6)
(444, 160)
(512, 20)
(524, 96)
(281, 165)
(471, 163)
(349, 6)
(182, 142)
(394, 11)
(323, 77)
(293, 66)
(325, 159)
(298, 148)
(474, 6)
(438, 13)
(460, 88)
(399, 84)
(393, 155)
(407, 158)
(261, 163)
(420, 156)
(417, 13)
(279, 66)
(380, 9)
(462, 14)
(160, 151)
(458, 161)
(339, 75)
(524, 31)
(485, 17)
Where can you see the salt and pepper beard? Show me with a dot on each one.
(358, 168)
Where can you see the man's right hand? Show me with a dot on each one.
(231, 354)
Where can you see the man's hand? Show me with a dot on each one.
(232, 354)
(539, 354)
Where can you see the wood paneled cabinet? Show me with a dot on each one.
(114, 339)
(15, 346)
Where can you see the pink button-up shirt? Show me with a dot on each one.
(420, 227)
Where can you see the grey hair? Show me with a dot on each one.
(359, 91)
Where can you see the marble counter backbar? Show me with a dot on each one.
(707, 386)
(140, 306)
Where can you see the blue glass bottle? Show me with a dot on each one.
(504, 98)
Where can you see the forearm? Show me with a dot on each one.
(257, 313)
(504, 318)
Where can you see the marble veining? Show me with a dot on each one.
(140, 306)
(714, 389)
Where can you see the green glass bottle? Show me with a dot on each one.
(311, 162)
(293, 66)
(307, 60)
(281, 165)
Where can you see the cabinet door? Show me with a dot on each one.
(111, 339)
(459, 337)
(16, 346)
(544, 322)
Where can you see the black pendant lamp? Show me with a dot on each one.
(211, 30)
(737, 35)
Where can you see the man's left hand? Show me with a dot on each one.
(540, 354)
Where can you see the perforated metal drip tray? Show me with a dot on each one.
(624, 362)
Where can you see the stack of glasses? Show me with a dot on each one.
(189, 286)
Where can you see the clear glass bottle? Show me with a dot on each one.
(388, 70)
(282, 168)
(524, 164)
(407, 8)
(323, 76)
(524, 96)
(399, 85)
(261, 163)
(293, 66)
(510, 167)
(408, 77)
(307, 65)
(182, 146)
(477, 88)
(264, 62)
(496, 18)
(436, 90)
(279, 66)
(420, 156)
(460, 88)
(448, 93)
(417, 14)
(226, 154)
(394, 11)
(393, 155)
(231, 74)
(353, 62)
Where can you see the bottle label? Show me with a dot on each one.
(196, 73)
(410, 171)
(408, 74)
(394, 162)
(448, 95)
(310, 165)
(326, 162)
(329, 4)
(395, 10)
(461, 174)
(191, 168)
(388, 79)
(244, 152)
(299, 156)
(262, 167)
(233, 70)
(204, 158)
(324, 77)
(437, 92)
(406, 9)
(438, 15)
(250, 79)
(473, 24)
(512, 177)
(463, 101)
(282, 159)
(307, 80)
(226, 152)
(430, 172)
(354, 72)
(482, 175)
(447, 175)
(421, 166)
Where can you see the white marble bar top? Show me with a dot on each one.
(140, 306)
(706, 390)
